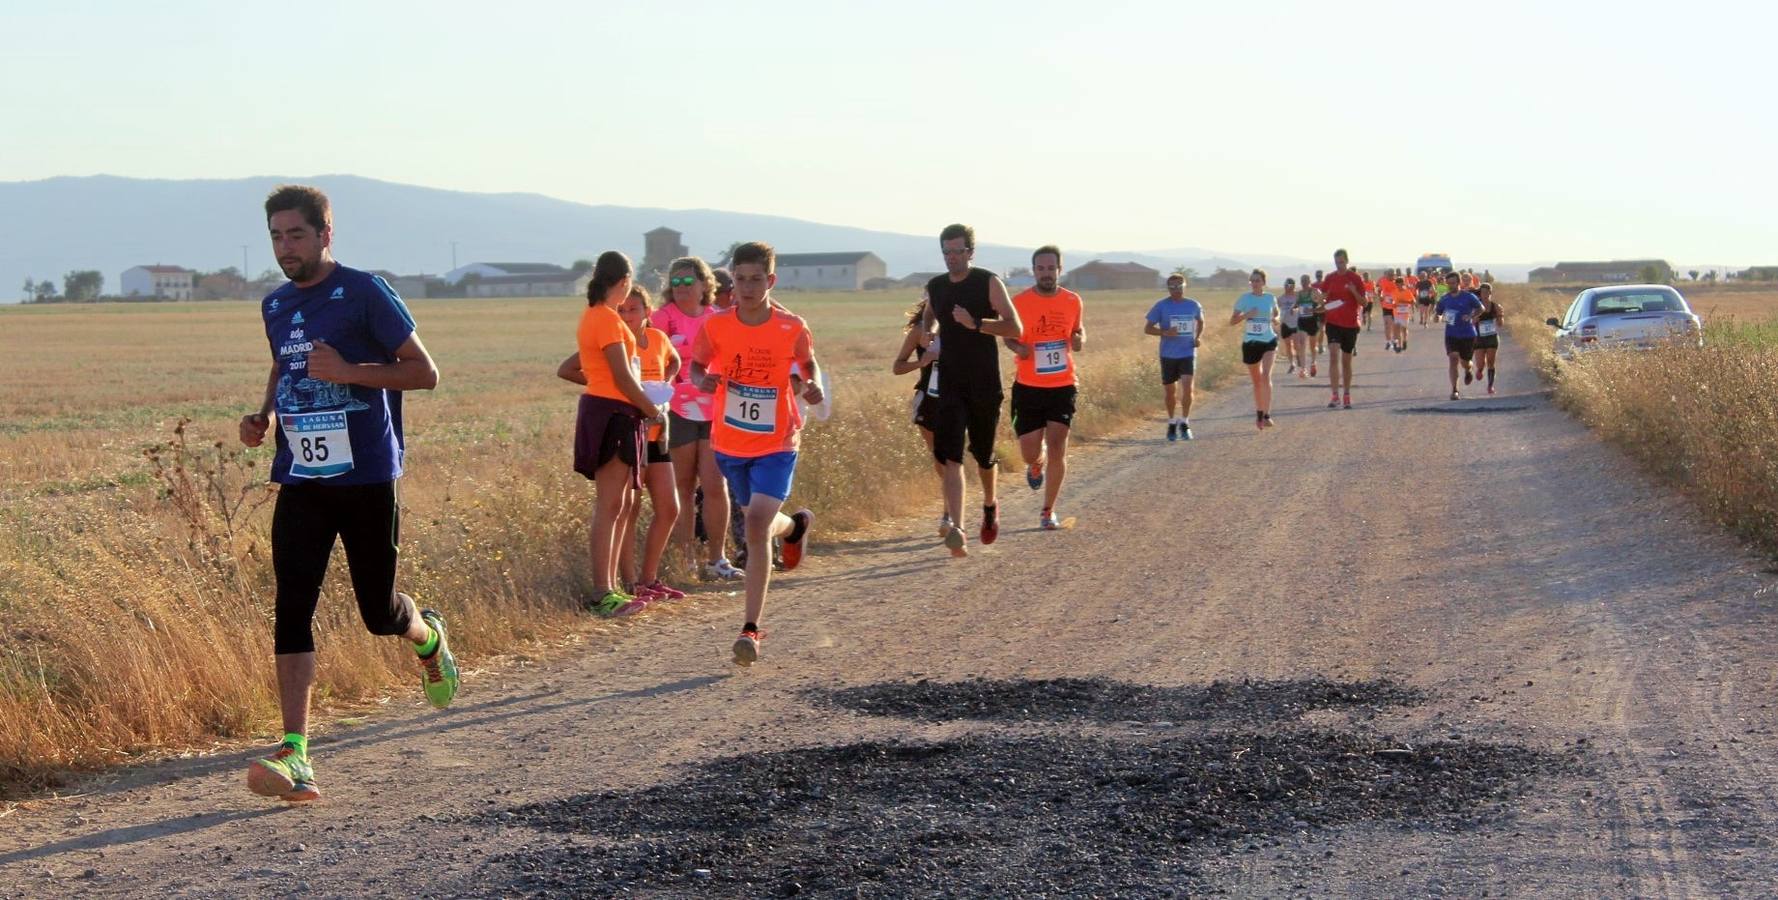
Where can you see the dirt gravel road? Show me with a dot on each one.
(1419, 648)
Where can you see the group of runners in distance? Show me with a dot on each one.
(696, 404)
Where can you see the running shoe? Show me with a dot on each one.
(1490, 390)
(662, 592)
(1348, 403)
(1185, 432)
(1172, 431)
(991, 527)
(1049, 521)
(1313, 369)
(721, 570)
(944, 525)
(1259, 420)
(1334, 403)
(438, 672)
(747, 647)
(616, 604)
(285, 774)
(1456, 396)
(954, 541)
(1302, 375)
(1265, 420)
(793, 550)
(1468, 376)
(1034, 474)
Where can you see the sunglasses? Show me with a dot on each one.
(682, 281)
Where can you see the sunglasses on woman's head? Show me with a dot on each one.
(682, 281)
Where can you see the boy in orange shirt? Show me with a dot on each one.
(1044, 389)
(744, 355)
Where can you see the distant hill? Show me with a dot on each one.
(50, 227)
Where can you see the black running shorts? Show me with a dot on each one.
(1173, 369)
(963, 415)
(1253, 351)
(1341, 336)
(1035, 407)
(1463, 347)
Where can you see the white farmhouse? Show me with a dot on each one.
(162, 282)
(829, 271)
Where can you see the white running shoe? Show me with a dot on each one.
(722, 570)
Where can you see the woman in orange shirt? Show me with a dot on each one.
(608, 430)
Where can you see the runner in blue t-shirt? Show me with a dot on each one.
(343, 349)
(1179, 321)
(1459, 309)
(1257, 313)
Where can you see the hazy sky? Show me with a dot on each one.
(1506, 131)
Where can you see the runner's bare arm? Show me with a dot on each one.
(910, 346)
(570, 369)
(1008, 325)
(805, 360)
(1156, 329)
(1078, 339)
(1019, 348)
(254, 425)
(412, 370)
(619, 361)
(673, 364)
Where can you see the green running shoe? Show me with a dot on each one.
(616, 604)
(285, 774)
(438, 674)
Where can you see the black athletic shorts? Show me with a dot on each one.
(1285, 331)
(1310, 326)
(925, 409)
(307, 518)
(1253, 351)
(1341, 336)
(1175, 368)
(962, 415)
(1035, 407)
(658, 452)
(1425, 302)
(1490, 342)
(1463, 347)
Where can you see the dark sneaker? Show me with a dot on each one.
(1172, 431)
(991, 527)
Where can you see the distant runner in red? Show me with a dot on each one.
(1344, 292)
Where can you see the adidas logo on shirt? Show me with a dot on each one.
(339, 293)
(296, 319)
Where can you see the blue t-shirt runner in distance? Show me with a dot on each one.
(1183, 314)
(1457, 308)
(359, 315)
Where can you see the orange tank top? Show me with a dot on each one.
(1049, 325)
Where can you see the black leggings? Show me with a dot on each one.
(367, 520)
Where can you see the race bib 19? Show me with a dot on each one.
(753, 409)
(1051, 357)
(320, 445)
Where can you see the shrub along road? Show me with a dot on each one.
(1417, 648)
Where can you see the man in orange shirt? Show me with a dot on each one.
(744, 355)
(1043, 391)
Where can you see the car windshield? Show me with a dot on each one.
(1615, 304)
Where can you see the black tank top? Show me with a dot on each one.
(1490, 310)
(970, 358)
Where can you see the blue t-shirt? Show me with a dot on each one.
(1170, 313)
(359, 315)
(1457, 308)
(1258, 329)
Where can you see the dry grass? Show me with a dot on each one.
(1703, 419)
(135, 599)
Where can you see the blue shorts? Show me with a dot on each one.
(770, 474)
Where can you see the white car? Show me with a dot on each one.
(1639, 316)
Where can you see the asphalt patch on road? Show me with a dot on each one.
(1105, 701)
(1459, 408)
(991, 814)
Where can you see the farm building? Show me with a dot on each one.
(407, 287)
(1620, 271)
(503, 269)
(829, 271)
(1099, 275)
(164, 282)
(560, 283)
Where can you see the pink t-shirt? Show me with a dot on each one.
(682, 330)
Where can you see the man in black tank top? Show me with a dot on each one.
(972, 310)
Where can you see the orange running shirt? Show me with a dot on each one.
(654, 364)
(600, 327)
(1049, 323)
(755, 414)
